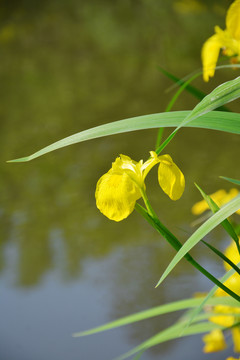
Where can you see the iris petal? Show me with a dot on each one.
(233, 20)
(116, 195)
(210, 52)
(170, 177)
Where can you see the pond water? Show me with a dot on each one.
(67, 66)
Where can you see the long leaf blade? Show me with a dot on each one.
(222, 256)
(233, 181)
(215, 120)
(223, 94)
(159, 310)
(214, 208)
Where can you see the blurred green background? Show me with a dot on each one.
(66, 66)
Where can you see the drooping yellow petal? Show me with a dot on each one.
(233, 20)
(231, 252)
(170, 177)
(116, 195)
(210, 52)
(214, 341)
(236, 339)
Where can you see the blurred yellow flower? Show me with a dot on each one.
(222, 318)
(236, 339)
(214, 341)
(228, 40)
(220, 197)
(118, 190)
(232, 358)
(188, 6)
(232, 253)
(7, 33)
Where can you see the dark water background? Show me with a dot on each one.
(66, 66)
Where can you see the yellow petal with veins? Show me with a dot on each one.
(116, 195)
(170, 177)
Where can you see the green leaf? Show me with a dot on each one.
(185, 84)
(222, 256)
(202, 231)
(229, 122)
(138, 356)
(223, 94)
(191, 89)
(236, 182)
(159, 310)
(170, 334)
(226, 224)
(175, 243)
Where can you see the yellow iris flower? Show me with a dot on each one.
(118, 190)
(220, 197)
(214, 341)
(228, 40)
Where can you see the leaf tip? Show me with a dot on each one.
(23, 159)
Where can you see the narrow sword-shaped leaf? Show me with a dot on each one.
(233, 181)
(223, 94)
(222, 256)
(226, 224)
(202, 231)
(215, 120)
(159, 310)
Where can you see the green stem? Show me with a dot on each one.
(222, 256)
(159, 137)
(164, 144)
(152, 218)
(184, 84)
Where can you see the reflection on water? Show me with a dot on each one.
(67, 66)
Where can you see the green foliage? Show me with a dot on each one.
(233, 181)
(202, 231)
(226, 224)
